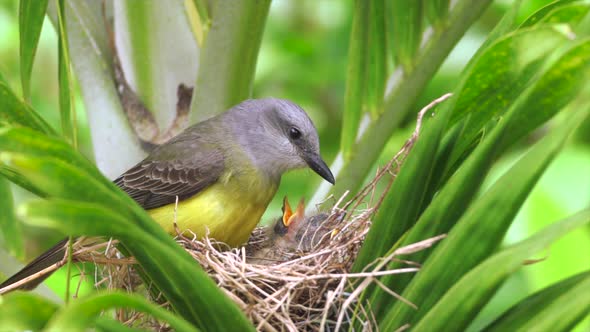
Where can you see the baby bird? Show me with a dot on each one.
(291, 233)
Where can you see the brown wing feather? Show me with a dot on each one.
(181, 169)
(48, 258)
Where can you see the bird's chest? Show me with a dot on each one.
(245, 200)
(227, 211)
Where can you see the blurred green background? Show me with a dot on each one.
(303, 57)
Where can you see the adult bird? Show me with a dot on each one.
(224, 171)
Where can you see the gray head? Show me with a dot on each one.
(278, 136)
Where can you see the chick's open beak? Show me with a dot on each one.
(287, 212)
(289, 216)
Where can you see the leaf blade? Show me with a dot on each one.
(420, 158)
(481, 228)
(470, 294)
(66, 98)
(456, 195)
(556, 307)
(9, 225)
(30, 21)
(356, 76)
(25, 311)
(17, 113)
(154, 250)
(406, 31)
(83, 313)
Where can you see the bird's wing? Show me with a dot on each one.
(48, 258)
(182, 168)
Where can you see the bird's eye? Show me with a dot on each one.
(294, 133)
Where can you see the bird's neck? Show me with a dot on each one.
(252, 176)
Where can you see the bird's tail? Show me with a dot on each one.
(31, 275)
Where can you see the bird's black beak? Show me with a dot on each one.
(315, 162)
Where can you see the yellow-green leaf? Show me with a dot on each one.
(31, 14)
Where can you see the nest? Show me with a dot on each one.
(299, 288)
(299, 291)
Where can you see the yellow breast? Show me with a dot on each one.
(227, 211)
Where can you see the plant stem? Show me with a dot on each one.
(114, 144)
(228, 56)
(404, 94)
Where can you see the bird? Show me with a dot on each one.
(291, 233)
(217, 177)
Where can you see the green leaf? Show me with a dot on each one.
(171, 268)
(31, 142)
(105, 324)
(405, 28)
(583, 27)
(24, 311)
(9, 225)
(569, 14)
(377, 65)
(203, 11)
(555, 308)
(560, 84)
(57, 178)
(481, 229)
(506, 25)
(59, 159)
(412, 181)
(66, 101)
(538, 16)
(16, 112)
(356, 76)
(16, 178)
(199, 18)
(459, 191)
(401, 98)
(502, 72)
(83, 313)
(98, 207)
(77, 218)
(464, 300)
(547, 94)
(30, 20)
